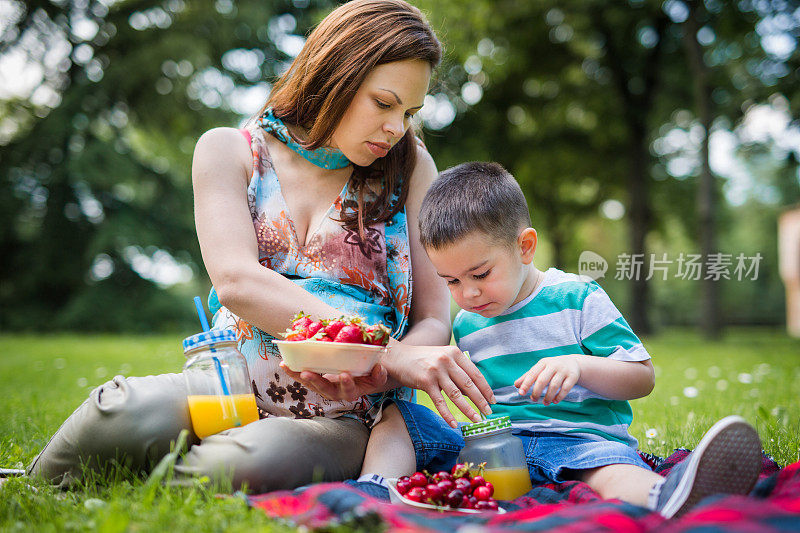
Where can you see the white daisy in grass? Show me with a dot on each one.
(651, 433)
(744, 377)
(82, 382)
(722, 385)
(690, 392)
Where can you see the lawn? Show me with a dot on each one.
(753, 373)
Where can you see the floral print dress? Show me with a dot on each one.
(371, 278)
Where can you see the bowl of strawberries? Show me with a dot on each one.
(456, 490)
(332, 346)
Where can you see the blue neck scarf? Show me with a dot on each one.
(329, 158)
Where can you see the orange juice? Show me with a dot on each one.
(509, 483)
(212, 413)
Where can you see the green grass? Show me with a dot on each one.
(754, 373)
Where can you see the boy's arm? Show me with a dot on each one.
(621, 368)
(617, 366)
(615, 380)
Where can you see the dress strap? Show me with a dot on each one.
(247, 135)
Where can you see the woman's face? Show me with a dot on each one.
(381, 110)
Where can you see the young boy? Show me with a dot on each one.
(561, 359)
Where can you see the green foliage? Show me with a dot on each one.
(575, 96)
(102, 166)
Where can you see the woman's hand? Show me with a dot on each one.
(342, 387)
(434, 369)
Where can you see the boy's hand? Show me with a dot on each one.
(559, 374)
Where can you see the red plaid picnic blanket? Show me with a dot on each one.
(774, 505)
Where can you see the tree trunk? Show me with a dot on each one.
(636, 107)
(710, 322)
(639, 317)
(558, 249)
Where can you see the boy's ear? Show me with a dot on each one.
(527, 241)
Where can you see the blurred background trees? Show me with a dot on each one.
(640, 129)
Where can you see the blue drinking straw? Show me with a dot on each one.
(201, 313)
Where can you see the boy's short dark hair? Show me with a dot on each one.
(469, 197)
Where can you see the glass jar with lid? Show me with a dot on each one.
(491, 442)
(218, 388)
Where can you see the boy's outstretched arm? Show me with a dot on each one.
(616, 380)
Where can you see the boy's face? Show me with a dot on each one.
(487, 278)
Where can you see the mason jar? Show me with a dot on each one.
(218, 388)
(491, 443)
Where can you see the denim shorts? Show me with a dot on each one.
(436, 445)
(551, 456)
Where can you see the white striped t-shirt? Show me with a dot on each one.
(566, 314)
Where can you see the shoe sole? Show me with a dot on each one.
(726, 461)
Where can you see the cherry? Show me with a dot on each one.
(463, 484)
(482, 493)
(442, 476)
(484, 506)
(403, 486)
(416, 494)
(490, 487)
(418, 479)
(466, 503)
(446, 485)
(460, 470)
(435, 493)
(403, 478)
(478, 481)
(454, 498)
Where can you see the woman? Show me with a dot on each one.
(331, 179)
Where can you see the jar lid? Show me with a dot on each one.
(207, 338)
(486, 426)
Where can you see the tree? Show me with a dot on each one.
(567, 108)
(94, 171)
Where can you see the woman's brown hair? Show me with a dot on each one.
(323, 79)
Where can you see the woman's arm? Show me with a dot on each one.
(221, 168)
(423, 359)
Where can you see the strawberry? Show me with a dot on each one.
(333, 327)
(300, 320)
(378, 335)
(313, 328)
(298, 331)
(351, 333)
(295, 335)
(321, 335)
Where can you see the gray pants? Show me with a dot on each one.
(132, 421)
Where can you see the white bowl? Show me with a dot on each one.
(330, 357)
(396, 497)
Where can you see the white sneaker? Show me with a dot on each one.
(726, 461)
